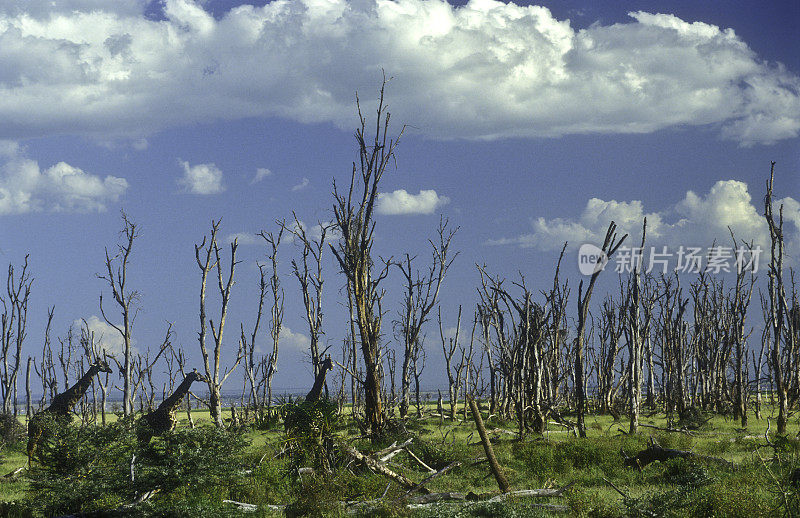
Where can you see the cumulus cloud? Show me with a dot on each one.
(105, 335)
(243, 238)
(483, 70)
(201, 179)
(25, 187)
(401, 202)
(261, 173)
(697, 220)
(294, 340)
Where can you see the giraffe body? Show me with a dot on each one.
(60, 409)
(163, 418)
(319, 381)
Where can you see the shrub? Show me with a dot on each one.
(12, 432)
(309, 427)
(88, 468)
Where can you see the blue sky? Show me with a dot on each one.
(527, 126)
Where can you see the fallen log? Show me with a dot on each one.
(427, 479)
(655, 452)
(546, 493)
(378, 467)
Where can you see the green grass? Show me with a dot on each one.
(677, 488)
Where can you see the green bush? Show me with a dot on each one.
(88, 468)
(12, 432)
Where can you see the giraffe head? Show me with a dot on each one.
(196, 376)
(326, 364)
(101, 366)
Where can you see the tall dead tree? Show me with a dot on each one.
(778, 307)
(455, 370)
(116, 276)
(13, 323)
(209, 258)
(309, 274)
(354, 214)
(276, 313)
(633, 334)
(421, 295)
(252, 363)
(610, 245)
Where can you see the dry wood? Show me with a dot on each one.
(502, 482)
(429, 478)
(419, 461)
(380, 468)
(655, 452)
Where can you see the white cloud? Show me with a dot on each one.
(483, 70)
(105, 335)
(300, 186)
(293, 340)
(261, 173)
(401, 202)
(696, 220)
(201, 179)
(25, 187)
(243, 238)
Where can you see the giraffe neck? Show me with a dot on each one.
(316, 390)
(64, 402)
(176, 398)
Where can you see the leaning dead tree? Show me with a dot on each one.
(116, 276)
(354, 214)
(420, 296)
(209, 258)
(13, 323)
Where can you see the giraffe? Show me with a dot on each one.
(163, 418)
(61, 406)
(319, 382)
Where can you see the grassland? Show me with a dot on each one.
(756, 483)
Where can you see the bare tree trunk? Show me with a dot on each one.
(353, 212)
(610, 245)
(212, 365)
(116, 277)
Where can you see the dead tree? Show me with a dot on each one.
(46, 370)
(777, 302)
(610, 245)
(208, 257)
(420, 296)
(633, 334)
(252, 363)
(309, 274)
(116, 276)
(13, 323)
(612, 319)
(455, 371)
(354, 211)
(276, 313)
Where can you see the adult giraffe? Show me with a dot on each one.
(60, 408)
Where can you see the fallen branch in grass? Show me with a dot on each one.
(654, 452)
(419, 461)
(686, 431)
(387, 453)
(438, 474)
(378, 467)
(547, 493)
